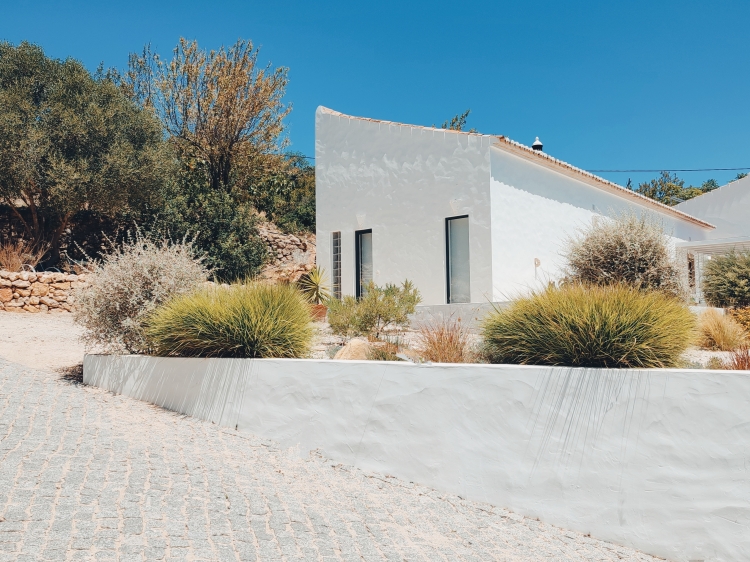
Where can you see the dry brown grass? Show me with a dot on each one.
(445, 341)
(720, 332)
(742, 316)
(740, 360)
(14, 255)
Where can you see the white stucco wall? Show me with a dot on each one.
(534, 210)
(656, 459)
(402, 182)
(728, 208)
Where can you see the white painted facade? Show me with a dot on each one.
(655, 459)
(404, 181)
(727, 208)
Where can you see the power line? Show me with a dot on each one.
(675, 170)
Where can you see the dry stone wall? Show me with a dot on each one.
(291, 256)
(38, 292)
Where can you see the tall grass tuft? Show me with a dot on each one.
(740, 359)
(616, 326)
(252, 320)
(15, 255)
(444, 340)
(720, 332)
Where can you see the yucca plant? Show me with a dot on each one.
(250, 320)
(720, 332)
(314, 286)
(590, 326)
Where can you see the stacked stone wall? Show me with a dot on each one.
(38, 292)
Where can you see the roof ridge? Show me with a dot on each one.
(538, 154)
(329, 111)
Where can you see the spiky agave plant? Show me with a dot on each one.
(314, 286)
(248, 320)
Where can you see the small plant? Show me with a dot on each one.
(384, 351)
(128, 284)
(15, 255)
(740, 359)
(716, 364)
(629, 249)
(379, 309)
(596, 326)
(726, 280)
(720, 332)
(445, 341)
(314, 286)
(250, 320)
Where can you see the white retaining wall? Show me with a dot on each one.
(656, 459)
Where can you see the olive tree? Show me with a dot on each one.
(70, 141)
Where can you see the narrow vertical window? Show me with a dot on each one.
(691, 271)
(336, 264)
(457, 259)
(363, 245)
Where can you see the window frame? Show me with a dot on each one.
(448, 257)
(336, 264)
(358, 258)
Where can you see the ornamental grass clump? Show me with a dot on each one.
(726, 280)
(720, 332)
(615, 326)
(628, 250)
(248, 320)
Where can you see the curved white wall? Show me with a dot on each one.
(402, 182)
(656, 459)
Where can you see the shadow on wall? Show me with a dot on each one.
(212, 392)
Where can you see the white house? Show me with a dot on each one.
(467, 217)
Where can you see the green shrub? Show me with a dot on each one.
(628, 249)
(223, 225)
(252, 320)
(594, 326)
(128, 283)
(726, 280)
(378, 309)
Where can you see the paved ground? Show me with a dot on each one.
(86, 475)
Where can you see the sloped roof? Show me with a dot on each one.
(544, 159)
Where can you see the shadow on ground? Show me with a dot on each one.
(72, 375)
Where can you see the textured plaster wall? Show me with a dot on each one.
(402, 182)
(656, 459)
(728, 208)
(534, 209)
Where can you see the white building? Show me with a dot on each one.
(728, 208)
(467, 217)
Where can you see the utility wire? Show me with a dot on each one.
(676, 170)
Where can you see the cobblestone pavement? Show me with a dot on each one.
(87, 475)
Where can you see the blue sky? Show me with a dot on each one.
(637, 85)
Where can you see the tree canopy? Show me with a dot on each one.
(221, 110)
(70, 141)
(670, 189)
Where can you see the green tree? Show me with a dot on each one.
(70, 141)
(740, 176)
(667, 188)
(224, 230)
(287, 198)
